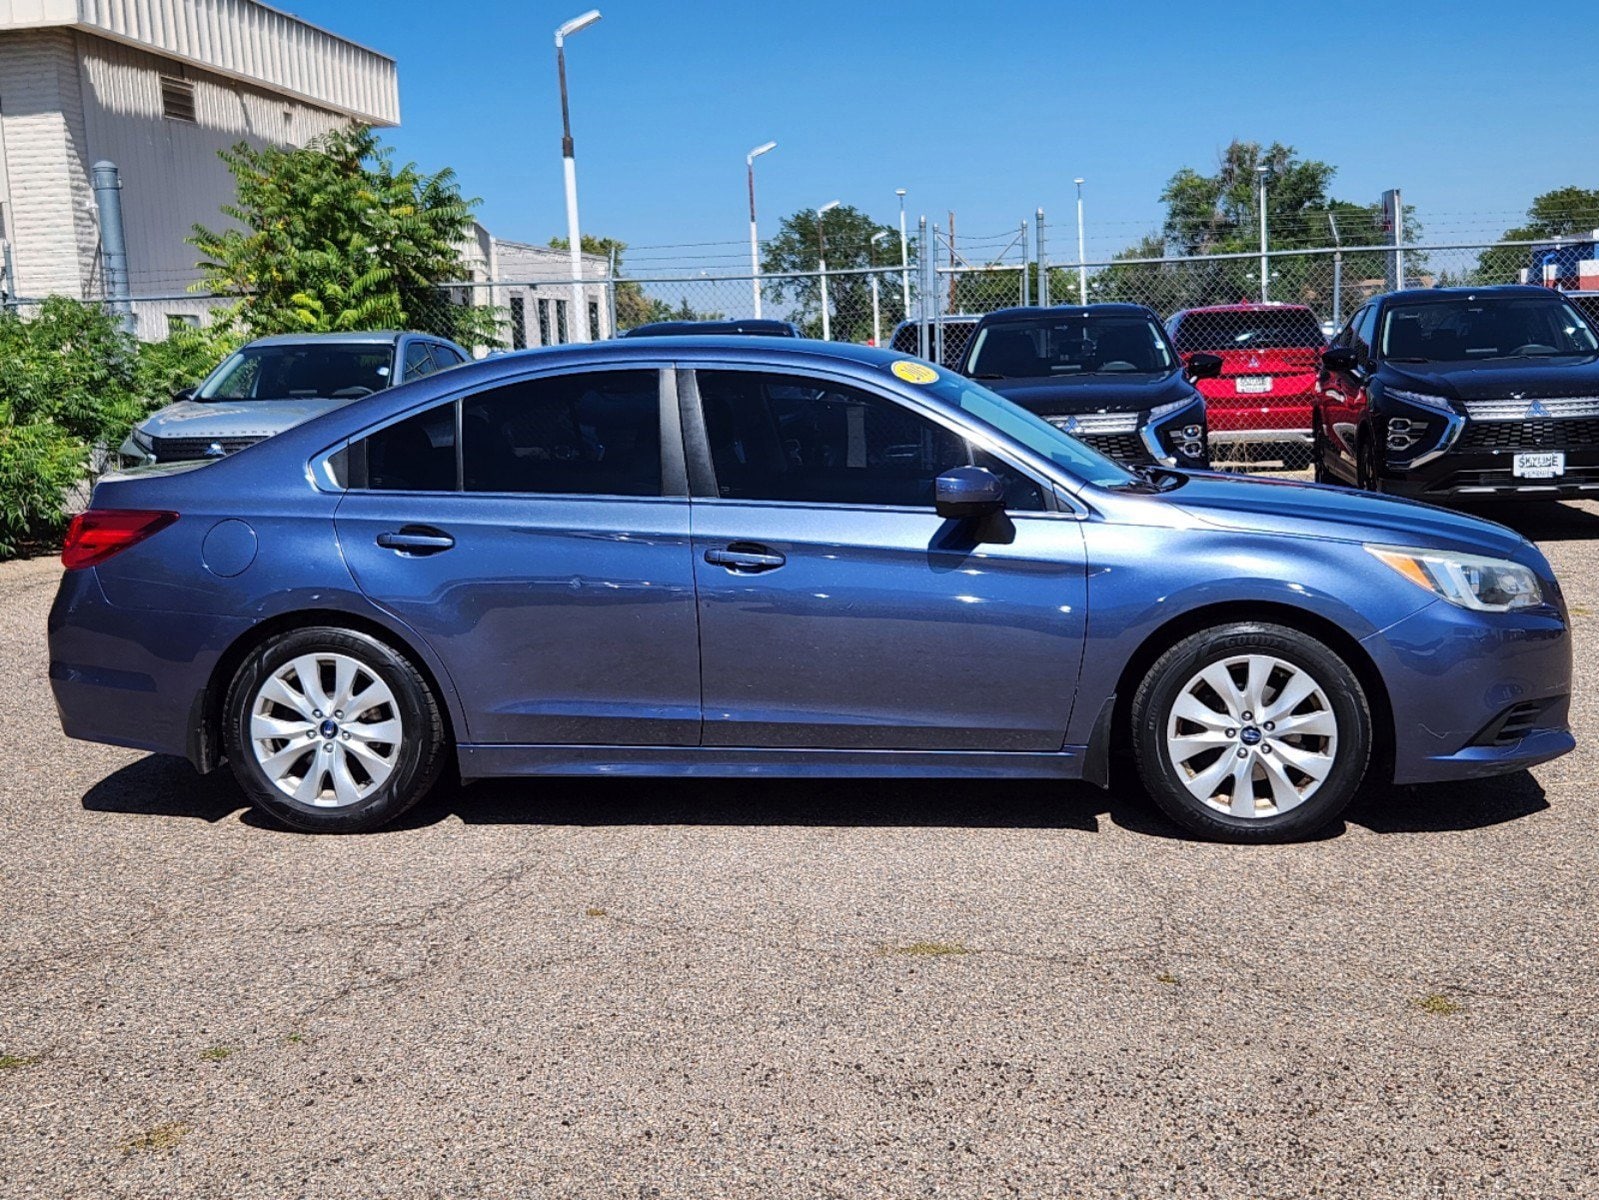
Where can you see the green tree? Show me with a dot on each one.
(334, 236)
(1563, 213)
(796, 248)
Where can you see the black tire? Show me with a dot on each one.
(417, 759)
(1318, 453)
(1176, 669)
(1366, 477)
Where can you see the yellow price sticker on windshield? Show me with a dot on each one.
(914, 372)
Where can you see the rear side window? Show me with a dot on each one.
(595, 433)
(414, 455)
(788, 437)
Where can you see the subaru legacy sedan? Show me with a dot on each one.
(746, 556)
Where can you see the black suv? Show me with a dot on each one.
(1105, 373)
(1461, 392)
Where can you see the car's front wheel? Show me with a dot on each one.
(1251, 732)
(332, 731)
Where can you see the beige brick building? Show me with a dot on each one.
(156, 87)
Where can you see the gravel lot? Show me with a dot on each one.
(768, 989)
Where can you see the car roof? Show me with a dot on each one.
(1499, 290)
(1109, 309)
(749, 327)
(376, 337)
(1246, 308)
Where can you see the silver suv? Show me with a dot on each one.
(275, 382)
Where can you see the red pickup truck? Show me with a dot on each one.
(1259, 406)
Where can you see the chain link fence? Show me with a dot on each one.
(1267, 332)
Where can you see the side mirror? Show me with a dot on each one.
(1204, 366)
(1340, 358)
(968, 492)
(182, 394)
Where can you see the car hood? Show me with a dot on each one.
(1288, 508)
(1093, 393)
(1566, 375)
(233, 418)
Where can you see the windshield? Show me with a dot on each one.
(1474, 328)
(1248, 329)
(1018, 425)
(326, 371)
(1052, 347)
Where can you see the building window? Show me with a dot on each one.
(518, 323)
(594, 320)
(177, 99)
(544, 322)
(560, 322)
(178, 321)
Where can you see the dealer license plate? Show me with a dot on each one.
(1543, 465)
(1253, 383)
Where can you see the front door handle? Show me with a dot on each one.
(746, 558)
(416, 539)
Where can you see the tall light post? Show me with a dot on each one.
(871, 256)
(904, 256)
(579, 324)
(755, 253)
(1082, 270)
(1263, 173)
(821, 246)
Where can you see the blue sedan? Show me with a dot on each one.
(749, 556)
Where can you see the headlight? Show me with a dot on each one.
(1483, 584)
(1166, 410)
(1421, 398)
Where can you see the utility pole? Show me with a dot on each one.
(952, 260)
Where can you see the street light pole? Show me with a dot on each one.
(755, 254)
(1265, 284)
(904, 256)
(579, 323)
(1082, 271)
(821, 245)
(871, 255)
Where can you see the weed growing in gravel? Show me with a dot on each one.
(1438, 1005)
(1165, 977)
(594, 912)
(216, 1053)
(930, 949)
(10, 1062)
(296, 1039)
(162, 1137)
(1579, 610)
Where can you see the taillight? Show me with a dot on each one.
(97, 534)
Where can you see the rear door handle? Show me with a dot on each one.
(746, 557)
(416, 539)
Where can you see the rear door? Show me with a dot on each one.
(837, 609)
(535, 535)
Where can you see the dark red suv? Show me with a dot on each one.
(1259, 406)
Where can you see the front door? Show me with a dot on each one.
(838, 610)
(546, 564)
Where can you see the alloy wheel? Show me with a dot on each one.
(325, 730)
(1252, 736)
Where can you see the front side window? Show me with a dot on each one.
(594, 433)
(789, 437)
(1062, 347)
(418, 362)
(301, 372)
(1470, 328)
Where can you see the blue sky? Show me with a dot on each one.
(987, 109)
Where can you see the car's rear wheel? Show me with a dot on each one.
(1251, 732)
(332, 731)
(1366, 464)
(1318, 452)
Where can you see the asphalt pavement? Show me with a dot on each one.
(728, 988)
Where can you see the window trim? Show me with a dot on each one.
(674, 475)
(702, 471)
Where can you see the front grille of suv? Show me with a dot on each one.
(1125, 447)
(1531, 435)
(184, 449)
